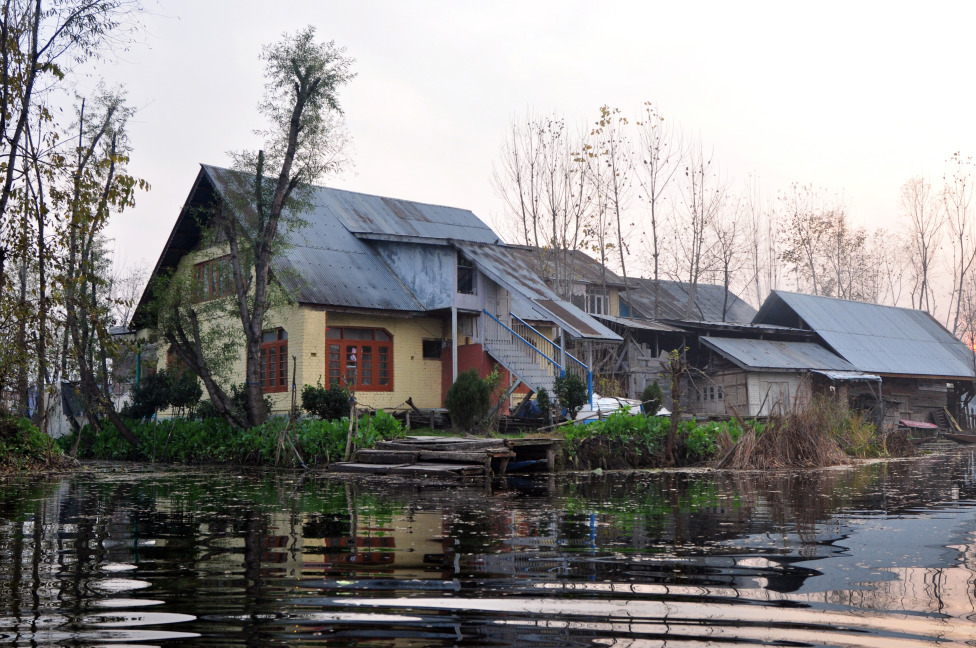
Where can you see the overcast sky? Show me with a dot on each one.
(853, 97)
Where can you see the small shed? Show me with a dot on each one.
(762, 377)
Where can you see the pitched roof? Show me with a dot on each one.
(778, 355)
(710, 303)
(874, 338)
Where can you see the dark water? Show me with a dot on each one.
(878, 555)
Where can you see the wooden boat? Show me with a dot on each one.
(961, 438)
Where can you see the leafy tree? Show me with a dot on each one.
(571, 392)
(41, 44)
(303, 140)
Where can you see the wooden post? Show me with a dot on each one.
(351, 371)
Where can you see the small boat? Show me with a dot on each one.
(961, 438)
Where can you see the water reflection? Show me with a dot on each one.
(883, 554)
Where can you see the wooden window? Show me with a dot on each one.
(373, 352)
(466, 276)
(274, 361)
(214, 279)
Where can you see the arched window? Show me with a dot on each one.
(374, 358)
(274, 361)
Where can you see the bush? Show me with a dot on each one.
(468, 401)
(653, 399)
(572, 393)
(180, 390)
(328, 404)
(23, 446)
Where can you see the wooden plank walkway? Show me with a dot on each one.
(452, 456)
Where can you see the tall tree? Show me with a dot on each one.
(925, 220)
(611, 151)
(957, 196)
(302, 141)
(703, 196)
(541, 178)
(97, 184)
(656, 161)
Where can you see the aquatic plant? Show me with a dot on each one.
(216, 441)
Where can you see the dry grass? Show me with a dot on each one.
(800, 439)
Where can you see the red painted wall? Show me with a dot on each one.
(472, 356)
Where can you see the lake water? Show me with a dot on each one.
(878, 555)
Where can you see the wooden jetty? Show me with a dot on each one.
(420, 456)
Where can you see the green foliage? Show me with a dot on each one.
(628, 441)
(216, 441)
(653, 399)
(468, 401)
(571, 392)
(329, 404)
(24, 446)
(545, 403)
(163, 389)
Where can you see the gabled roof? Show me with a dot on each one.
(874, 338)
(712, 302)
(777, 355)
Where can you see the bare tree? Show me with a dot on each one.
(541, 177)
(656, 161)
(611, 151)
(728, 231)
(925, 222)
(703, 195)
(957, 194)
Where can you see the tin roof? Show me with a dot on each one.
(324, 263)
(710, 302)
(874, 338)
(778, 355)
(509, 268)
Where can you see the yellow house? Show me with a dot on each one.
(407, 294)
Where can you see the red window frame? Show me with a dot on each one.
(214, 278)
(374, 357)
(274, 361)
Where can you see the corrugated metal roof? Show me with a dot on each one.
(510, 270)
(366, 214)
(640, 325)
(874, 338)
(582, 267)
(326, 264)
(773, 354)
(710, 302)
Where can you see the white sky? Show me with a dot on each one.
(854, 97)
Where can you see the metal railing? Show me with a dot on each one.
(544, 360)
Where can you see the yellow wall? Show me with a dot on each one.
(614, 296)
(413, 375)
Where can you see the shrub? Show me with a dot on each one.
(179, 390)
(544, 401)
(468, 401)
(328, 404)
(653, 399)
(572, 394)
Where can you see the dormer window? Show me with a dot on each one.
(466, 276)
